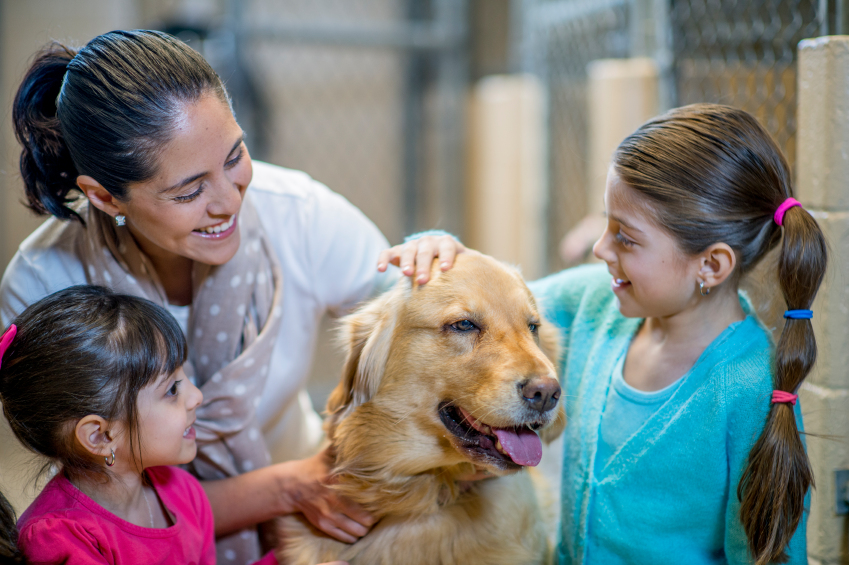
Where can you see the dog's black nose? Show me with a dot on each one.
(541, 394)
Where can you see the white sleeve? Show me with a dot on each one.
(20, 287)
(45, 263)
(343, 246)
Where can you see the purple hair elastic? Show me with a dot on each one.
(786, 205)
(6, 340)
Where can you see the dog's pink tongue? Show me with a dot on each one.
(521, 444)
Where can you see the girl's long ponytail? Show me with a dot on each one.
(47, 169)
(8, 534)
(777, 478)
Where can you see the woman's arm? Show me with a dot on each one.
(286, 488)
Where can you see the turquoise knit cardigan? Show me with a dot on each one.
(669, 494)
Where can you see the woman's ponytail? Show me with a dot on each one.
(778, 476)
(105, 112)
(8, 534)
(47, 169)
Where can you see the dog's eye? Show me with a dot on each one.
(464, 326)
(533, 328)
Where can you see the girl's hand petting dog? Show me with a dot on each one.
(416, 256)
(322, 506)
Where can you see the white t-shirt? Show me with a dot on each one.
(328, 250)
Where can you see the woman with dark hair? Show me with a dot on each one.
(131, 145)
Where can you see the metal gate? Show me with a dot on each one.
(736, 52)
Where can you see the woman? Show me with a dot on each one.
(141, 125)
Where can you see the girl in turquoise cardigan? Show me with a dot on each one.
(682, 443)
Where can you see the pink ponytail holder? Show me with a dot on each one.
(6, 340)
(786, 205)
(779, 397)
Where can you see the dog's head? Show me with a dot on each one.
(460, 370)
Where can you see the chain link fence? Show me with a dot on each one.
(366, 96)
(743, 54)
(736, 52)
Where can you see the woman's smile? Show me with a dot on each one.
(190, 208)
(218, 231)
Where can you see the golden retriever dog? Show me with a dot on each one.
(441, 382)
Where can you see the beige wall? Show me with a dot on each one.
(26, 26)
(621, 95)
(506, 195)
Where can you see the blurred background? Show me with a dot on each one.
(492, 119)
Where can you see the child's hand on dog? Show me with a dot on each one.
(416, 256)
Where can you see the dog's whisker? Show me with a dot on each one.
(488, 413)
(405, 416)
(464, 412)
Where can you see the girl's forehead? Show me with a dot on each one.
(620, 200)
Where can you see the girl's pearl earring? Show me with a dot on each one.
(120, 219)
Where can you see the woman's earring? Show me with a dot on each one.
(703, 290)
(120, 219)
(108, 462)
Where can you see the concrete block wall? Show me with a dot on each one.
(823, 170)
(622, 94)
(506, 197)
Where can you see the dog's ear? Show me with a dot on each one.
(550, 344)
(367, 336)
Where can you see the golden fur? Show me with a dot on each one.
(394, 454)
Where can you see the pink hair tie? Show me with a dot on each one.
(786, 205)
(779, 397)
(6, 340)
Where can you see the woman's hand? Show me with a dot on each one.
(307, 486)
(285, 488)
(416, 256)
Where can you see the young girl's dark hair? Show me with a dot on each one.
(105, 111)
(9, 553)
(83, 350)
(712, 174)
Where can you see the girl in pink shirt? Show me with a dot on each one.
(93, 380)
